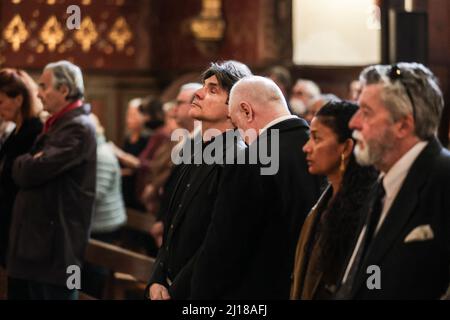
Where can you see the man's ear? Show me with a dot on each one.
(64, 89)
(247, 110)
(405, 126)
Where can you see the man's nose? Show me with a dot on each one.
(199, 94)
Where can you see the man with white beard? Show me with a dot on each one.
(403, 250)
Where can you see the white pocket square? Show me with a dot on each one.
(420, 233)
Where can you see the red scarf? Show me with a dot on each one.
(51, 121)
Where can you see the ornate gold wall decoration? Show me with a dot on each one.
(62, 49)
(52, 33)
(87, 34)
(108, 29)
(130, 51)
(209, 27)
(16, 32)
(40, 48)
(109, 49)
(120, 34)
(30, 59)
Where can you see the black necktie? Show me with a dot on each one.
(374, 217)
(372, 221)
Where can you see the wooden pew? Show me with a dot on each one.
(136, 234)
(139, 221)
(126, 267)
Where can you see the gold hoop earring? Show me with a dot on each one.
(342, 166)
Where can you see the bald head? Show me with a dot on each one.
(255, 101)
(261, 91)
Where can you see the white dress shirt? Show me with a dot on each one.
(392, 183)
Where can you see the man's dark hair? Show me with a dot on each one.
(227, 73)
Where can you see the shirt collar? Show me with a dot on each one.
(393, 179)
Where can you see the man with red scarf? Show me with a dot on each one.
(52, 212)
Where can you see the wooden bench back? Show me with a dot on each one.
(117, 259)
(139, 221)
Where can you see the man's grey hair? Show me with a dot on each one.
(424, 91)
(66, 73)
(312, 89)
(135, 103)
(324, 98)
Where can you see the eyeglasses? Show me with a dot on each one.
(395, 73)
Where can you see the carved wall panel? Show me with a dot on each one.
(110, 34)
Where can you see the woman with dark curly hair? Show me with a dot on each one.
(330, 229)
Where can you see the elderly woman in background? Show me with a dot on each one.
(18, 104)
(152, 108)
(135, 142)
(329, 230)
(159, 171)
(143, 164)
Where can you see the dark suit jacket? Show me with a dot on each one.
(418, 269)
(249, 249)
(16, 144)
(186, 223)
(52, 212)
